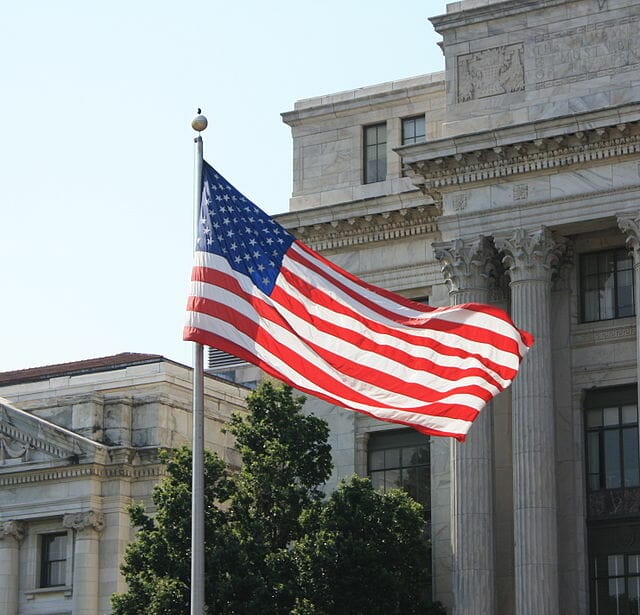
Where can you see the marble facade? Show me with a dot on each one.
(531, 159)
(79, 442)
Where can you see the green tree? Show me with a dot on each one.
(363, 552)
(272, 545)
(285, 456)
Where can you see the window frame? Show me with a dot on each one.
(401, 439)
(420, 138)
(616, 253)
(45, 562)
(380, 159)
(599, 400)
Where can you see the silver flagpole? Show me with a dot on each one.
(199, 123)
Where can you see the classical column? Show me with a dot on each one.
(530, 258)
(466, 266)
(86, 564)
(630, 226)
(11, 535)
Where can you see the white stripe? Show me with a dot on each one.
(414, 350)
(294, 343)
(449, 339)
(227, 331)
(308, 334)
(457, 314)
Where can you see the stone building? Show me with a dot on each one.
(78, 443)
(513, 177)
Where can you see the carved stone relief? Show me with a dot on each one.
(587, 52)
(85, 520)
(11, 450)
(490, 72)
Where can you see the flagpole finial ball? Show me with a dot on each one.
(199, 122)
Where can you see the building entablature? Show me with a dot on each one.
(544, 146)
(469, 12)
(363, 222)
(363, 99)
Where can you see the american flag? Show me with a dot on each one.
(260, 294)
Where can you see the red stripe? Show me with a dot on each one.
(319, 377)
(341, 363)
(319, 297)
(466, 331)
(202, 336)
(366, 344)
(217, 278)
(421, 307)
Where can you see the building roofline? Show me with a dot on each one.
(85, 366)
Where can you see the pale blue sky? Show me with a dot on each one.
(96, 149)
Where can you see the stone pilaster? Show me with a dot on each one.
(630, 226)
(86, 564)
(530, 258)
(11, 535)
(361, 446)
(467, 268)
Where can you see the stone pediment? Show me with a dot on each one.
(27, 441)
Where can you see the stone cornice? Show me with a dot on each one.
(433, 173)
(122, 471)
(356, 101)
(487, 12)
(364, 229)
(37, 443)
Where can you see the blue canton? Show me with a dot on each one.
(233, 227)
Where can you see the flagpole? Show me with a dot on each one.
(199, 123)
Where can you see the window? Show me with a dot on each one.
(413, 130)
(606, 285)
(611, 424)
(400, 459)
(616, 584)
(53, 559)
(375, 153)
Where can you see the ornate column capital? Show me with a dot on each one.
(467, 264)
(630, 226)
(82, 521)
(13, 529)
(531, 255)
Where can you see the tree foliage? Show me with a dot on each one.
(273, 545)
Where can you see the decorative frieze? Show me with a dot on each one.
(82, 471)
(18, 440)
(587, 51)
(359, 230)
(432, 175)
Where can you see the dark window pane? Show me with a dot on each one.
(630, 457)
(594, 418)
(376, 460)
(392, 480)
(593, 460)
(610, 416)
(392, 458)
(377, 480)
(612, 468)
(629, 414)
(53, 563)
(375, 153)
(606, 285)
